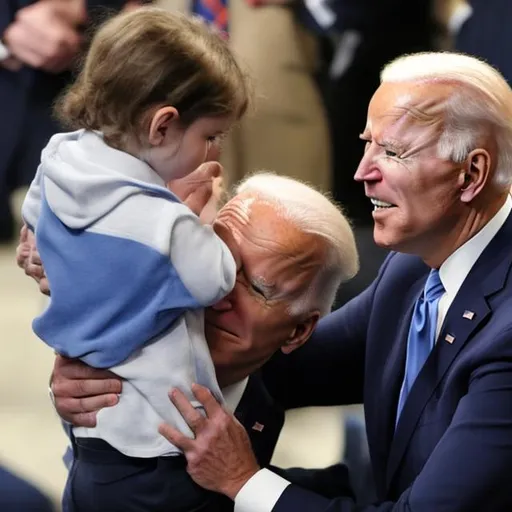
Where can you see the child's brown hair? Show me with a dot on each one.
(150, 58)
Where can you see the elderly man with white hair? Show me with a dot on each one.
(428, 346)
(295, 247)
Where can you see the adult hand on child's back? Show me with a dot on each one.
(80, 391)
(29, 260)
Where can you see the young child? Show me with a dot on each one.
(131, 267)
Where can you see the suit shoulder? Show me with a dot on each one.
(402, 268)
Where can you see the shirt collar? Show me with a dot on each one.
(233, 394)
(456, 268)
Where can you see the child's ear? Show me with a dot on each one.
(161, 121)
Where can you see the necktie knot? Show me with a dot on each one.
(433, 287)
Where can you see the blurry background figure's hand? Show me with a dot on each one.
(29, 260)
(197, 190)
(45, 35)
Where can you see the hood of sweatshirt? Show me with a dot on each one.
(84, 178)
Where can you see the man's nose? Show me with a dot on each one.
(367, 170)
(225, 304)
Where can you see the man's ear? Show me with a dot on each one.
(476, 174)
(301, 332)
(160, 124)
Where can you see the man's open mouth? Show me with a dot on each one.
(381, 205)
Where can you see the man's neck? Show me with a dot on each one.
(439, 251)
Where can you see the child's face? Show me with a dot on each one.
(176, 151)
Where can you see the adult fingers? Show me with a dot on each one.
(86, 388)
(74, 406)
(195, 420)
(76, 369)
(208, 401)
(175, 437)
(44, 286)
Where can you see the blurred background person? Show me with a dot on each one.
(358, 38)
(17, 495)
(287, 131)
(40, 41)
(485, 31)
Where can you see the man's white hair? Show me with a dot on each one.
(481, 99)
(313, 213)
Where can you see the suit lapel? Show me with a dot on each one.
(466, 314)
(381, 395)
(261, 417)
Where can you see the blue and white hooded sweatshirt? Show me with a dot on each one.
(130, 269)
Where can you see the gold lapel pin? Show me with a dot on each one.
(468, 315)
(449, 338)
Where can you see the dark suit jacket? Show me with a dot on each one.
(263, 420)
(365, 15)
(26, 99)
(452, 448)
(487, 34)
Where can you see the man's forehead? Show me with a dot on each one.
(403, 104)
(275, 248)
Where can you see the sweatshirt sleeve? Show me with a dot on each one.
(32, 204)
(202, 260)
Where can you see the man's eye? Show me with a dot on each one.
(390, 153)
(258, 290)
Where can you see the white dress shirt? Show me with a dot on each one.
(233, 394)
(4, 52)
(263, 490)
(456, 268)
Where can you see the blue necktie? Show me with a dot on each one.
(422, 334)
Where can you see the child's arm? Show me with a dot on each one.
(206, 264)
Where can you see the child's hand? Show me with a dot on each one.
(29, 260)
(209, 212)
(197, 189)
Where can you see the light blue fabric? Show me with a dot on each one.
(422, 334)
(122, 294)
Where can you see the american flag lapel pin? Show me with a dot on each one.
(449, 338)
(468, 315)
(258, 427)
